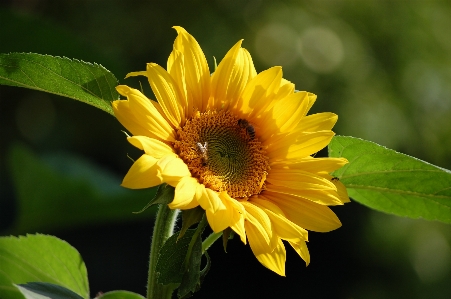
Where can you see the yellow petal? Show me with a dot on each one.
(168, 94)
(197, 73)
(142, 174)
(260, 227)
(305, 213)
(172, 169)
(259, 92)
(140, 117)
(312, 99)
(299, 179)
(302, 250)
(342, 192)
(317, 122)
(222, 216)
(274, 260)
(309, 164)
(184, 194)
(286, 89)
(229, 217)
(177, 70)
(286, 114)
(237, 215)
(284, 228)
(209, 200)
(231, 77)
(298, 146)
(249, 63)
(151, 146)
(322, 197)
(238, 228)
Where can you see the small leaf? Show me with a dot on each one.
(40, 258)
(392, 182)
(44, 290)
(78, 80)
(190, 217)
(227, 235)
(120, 295)
(172, 256)
(165, 195)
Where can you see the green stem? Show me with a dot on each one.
(210, 240)
(163, 229)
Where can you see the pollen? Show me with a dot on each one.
(222, 154)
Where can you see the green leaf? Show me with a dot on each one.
(227, 235)
(40, 258)
(170, 264)
(44, 290)
(392, 182)
(165, 195)
(190, 217)
(191, 278)
(78, 80)
(120, 295)
(71, 193)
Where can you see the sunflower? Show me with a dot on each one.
(237, 143)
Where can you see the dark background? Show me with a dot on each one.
(383, 66)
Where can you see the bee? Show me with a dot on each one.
(249, 128)
(335, 179)
(203, 151)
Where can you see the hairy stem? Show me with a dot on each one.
(163, 229)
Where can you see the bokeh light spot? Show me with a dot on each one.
(431, 255)
(321, 49)
(275, 44)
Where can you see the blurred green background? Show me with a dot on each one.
(383, 66)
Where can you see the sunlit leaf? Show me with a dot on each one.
(78, 80)
(392, 182)
(40, 258)
(45, 290)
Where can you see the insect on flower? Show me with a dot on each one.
(249, 128)
(203, 151)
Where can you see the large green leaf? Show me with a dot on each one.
(59, 191)
(40, 258)
(392, 182)
(78, 80)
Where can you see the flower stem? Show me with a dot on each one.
(163, 229)
(210, 240)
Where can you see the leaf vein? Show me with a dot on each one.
(397, 191)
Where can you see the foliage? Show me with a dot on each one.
(78, 80)
(391, 182)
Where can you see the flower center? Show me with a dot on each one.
(222, 152)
